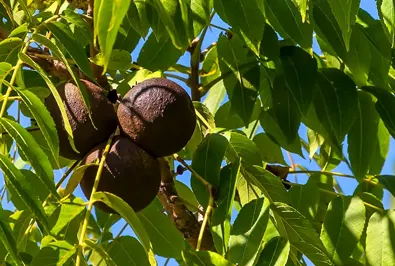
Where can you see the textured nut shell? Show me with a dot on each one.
(158, 115)
(129, 172)
(85, 135)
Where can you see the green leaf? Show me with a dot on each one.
(81, 26)
(117, 204)
(29, 147)
(60, 216)
(381, 150)
(170, 14)
(54, 91)
(55, 253)
(285, 110)
(158, 54)
(8, 240)
(166, 240)
(245, 18)
(247, 232)
(359, 56)
(388, 181)
(206, 162)
(275, 133)
(270, 151)
(300, 71)
(306, 199)
(242, 81)
(362, 138)
(76, 178)
(345, 13)
(286, 19)
(108, 17)
(58, 53)
(270, 185)
(33, 183)
(201, 10)
(329, 33)
(204, 258)
(275, 253)
(243, 147)
(379, 239)
(5, 69)
(384, 106)
(187, 195)
(385, 10)
(336, 103)
(128, 34)
(126, 250)
(9, 49)
(43, 118)
(64, 36)
(16, 180)
(227, 189)
(119, 60)
(100, 251)
(225, 118)
(247, 192)
(343, 226)
(137, 16)
(301, 234)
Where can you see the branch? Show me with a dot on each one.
(183, 219)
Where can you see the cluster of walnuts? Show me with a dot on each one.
(156, 119)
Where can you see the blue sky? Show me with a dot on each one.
(348, 185)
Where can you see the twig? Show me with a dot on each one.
(181, 161)
(183, 219)
(90, 203)
(177, 77)
(205, 219)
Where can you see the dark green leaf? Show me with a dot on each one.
(158, 54)
(227, 189)
(300, 70)
(270, 185)
(275, 252)
(388, 181)
(108, 16)
(306, 199)
(329, 34)
(336, 103)
(201, 10)
(301, 234)
(270, 151)
(343, 227)
(30, 149)
(247, 232)
(43, 118)
(100, 251)
(130, 33)
(385, 106)
(381, 150)
(204, 258)
(380, 239)
(225, 118)
(275, 133)
(126, 250)
(81, 26)
(245, 148)
(8, 240)
(137, 17)
(127, 213)
(207, 163)
(9, 49)
(16, 179)
(54, 92)
(358, 58)
(345, 13)
(242, 79)
(286, 19)
(166, 240)
(269, 45)
(362, 138)
(246, 19)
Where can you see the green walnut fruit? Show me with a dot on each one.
(158, 115)
(86, 136)
(129, 172)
